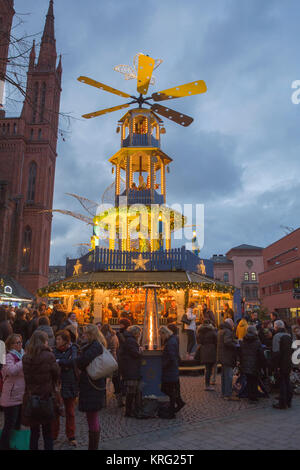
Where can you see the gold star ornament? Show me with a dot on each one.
(140, 263)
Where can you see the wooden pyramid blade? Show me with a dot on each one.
(105, 111)
(101, 86)
(145, 69)
(179, 118)
(189, 89)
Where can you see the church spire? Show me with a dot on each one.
(32, 56)
(47, 57)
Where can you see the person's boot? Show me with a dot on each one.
(130, 398)
(94, 437)
(180, 404)
(120, 400)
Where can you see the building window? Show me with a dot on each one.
(246, 276)
(255, 293)
(31, 182)
(253, 276)
(226, 277)
(26, 248)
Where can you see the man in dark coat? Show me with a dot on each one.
(226, 354)
(170, 369)
(207, 338)
(252, 361)
(5, 325)
(130, 360)
(282, 360)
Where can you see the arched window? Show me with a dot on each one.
(26, 251)
(31, 182)
(35, 100)
(43, 99)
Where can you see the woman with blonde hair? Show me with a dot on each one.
(13, 388)
(91, 392)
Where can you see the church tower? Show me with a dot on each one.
(27, 168)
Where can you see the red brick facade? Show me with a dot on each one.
(281, 275)
(27, 166)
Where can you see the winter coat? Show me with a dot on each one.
(265, 338)
(66, 361)
(13, 381)
(32, 326)
(49, 332)
(130, 358)
(41, 374)
(112, 343)
(251, 355)
(91, 392)
(5, 330)
(282, 351)
(190, 316)
(207, 338)
(208, 315)
(20, 327)
(226, 346)
(241, 329)
(170, 354)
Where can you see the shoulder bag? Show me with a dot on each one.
(102, 366)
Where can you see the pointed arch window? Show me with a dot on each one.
(43, 99)
(26, 250)
(31, 182)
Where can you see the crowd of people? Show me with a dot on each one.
(48, 355)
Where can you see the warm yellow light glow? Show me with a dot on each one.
(151, 331)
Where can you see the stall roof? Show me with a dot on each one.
(18, 291)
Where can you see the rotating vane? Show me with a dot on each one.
(144, 66)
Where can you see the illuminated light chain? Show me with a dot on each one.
(69, 286)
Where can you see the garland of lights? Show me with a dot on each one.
(69, 286)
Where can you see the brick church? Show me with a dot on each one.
(27, 160)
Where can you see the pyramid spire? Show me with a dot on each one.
(47, 57)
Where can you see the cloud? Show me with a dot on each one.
(241, 154)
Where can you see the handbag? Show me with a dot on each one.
(38, 409)
(102, 366)
(184, 319)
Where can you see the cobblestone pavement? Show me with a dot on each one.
(206, 422)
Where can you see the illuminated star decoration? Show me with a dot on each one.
(201, 267)
(140, 263)
(77, 268)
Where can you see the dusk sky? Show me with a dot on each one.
(241, 155)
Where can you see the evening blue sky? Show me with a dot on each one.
(241, 155)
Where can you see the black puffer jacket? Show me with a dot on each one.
(91, 392)
(5, 330)
(20, 327)
(207, 338)
(282, 351)
(66, 361)
(130, 358)
(227, 346)
(251, 355)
